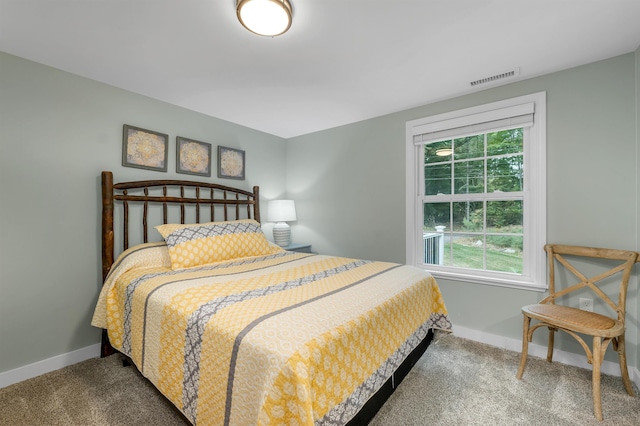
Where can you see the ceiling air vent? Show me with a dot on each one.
(507, 74)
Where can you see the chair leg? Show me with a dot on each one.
(525, 347)
(552, 334)
(595, 379)
(622, 358)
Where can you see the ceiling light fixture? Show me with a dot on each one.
(265, 17)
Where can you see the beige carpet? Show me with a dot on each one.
(456, 382)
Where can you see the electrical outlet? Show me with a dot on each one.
(586, 304)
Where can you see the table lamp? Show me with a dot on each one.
(281, 212)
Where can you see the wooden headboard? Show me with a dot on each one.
(201, 201)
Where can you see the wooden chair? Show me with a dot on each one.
(603, 329)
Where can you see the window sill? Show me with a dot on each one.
(476, 279)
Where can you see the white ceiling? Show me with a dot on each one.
(342, 60)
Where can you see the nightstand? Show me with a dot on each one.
(301, 248)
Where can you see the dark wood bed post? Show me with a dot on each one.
(107, 223)
(256, 205)
(107, 246)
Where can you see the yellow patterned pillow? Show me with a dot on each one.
(204, 243)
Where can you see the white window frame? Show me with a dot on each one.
(456, 123)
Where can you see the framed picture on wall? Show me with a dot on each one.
(230, 163)
(193, 157)
(144, 149)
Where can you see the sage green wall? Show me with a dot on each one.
(349, 185)
(57, 133)
(638, 197)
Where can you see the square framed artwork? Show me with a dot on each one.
(230, 163)
(193, 157)
(144, 149)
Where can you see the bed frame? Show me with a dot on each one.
(192, 200)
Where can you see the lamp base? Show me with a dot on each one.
(282, 234)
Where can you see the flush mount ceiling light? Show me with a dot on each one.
(443, 152)
(265, 17)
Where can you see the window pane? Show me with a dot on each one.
(467, 251)
(437, 179)
(504, 142)
(504, 216)
(504, 253)
(437, 152)
(468, 216)
(469, 147)
(436, 214)
(505, 174)
(469, 177)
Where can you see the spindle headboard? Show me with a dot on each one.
(222, 203)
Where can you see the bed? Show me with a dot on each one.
(234, 330)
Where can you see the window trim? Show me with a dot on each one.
(535, 186)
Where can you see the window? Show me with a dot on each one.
(476, 193)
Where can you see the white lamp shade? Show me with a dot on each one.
(281, 211)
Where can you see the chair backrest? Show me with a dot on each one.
(557, 253)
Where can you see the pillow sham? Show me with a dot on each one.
(204, 243)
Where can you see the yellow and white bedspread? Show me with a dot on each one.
(288, 338)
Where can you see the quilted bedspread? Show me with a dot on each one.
(288, 338)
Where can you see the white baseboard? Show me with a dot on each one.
(47, 365)
(563, 357)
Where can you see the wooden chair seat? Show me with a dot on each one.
(603, 329)
(575, 319)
